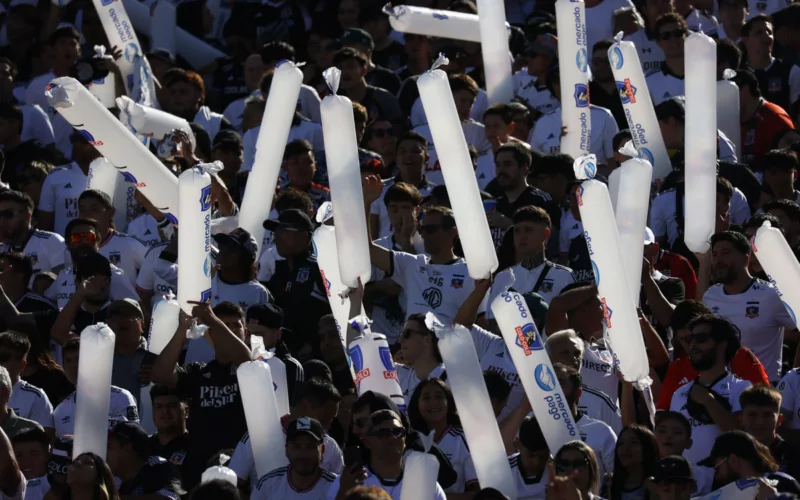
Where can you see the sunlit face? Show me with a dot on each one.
(169, 413)
(433, 404)
(494, 126)
(566, 351)
(386, 439)
(300, 169)
(383, 139)
(570, 460)
(530, 237)
(271, 336)
(435, 234)
(32, 458)
(398, 210)
(509, 173)
(727, 263)
(760, 40)
(126, 324)
(414, 341)
(672, 437)
(702, 347)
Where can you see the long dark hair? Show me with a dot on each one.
(649, 457)
(419, 318)
(104, 487)
(415, 417)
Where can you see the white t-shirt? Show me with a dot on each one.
(210, 121)
(474, 133)
(454, 445)
(493, 356)
(393, 488)
(145, 229)
(598, 371)
(266, 263)
(555, 280)
(663, 84)
(599, 406)
(306, 129)
(538, 98)
(64, 287)
(650, 54)
(125, 252)
(122, 408)
(600, 21)
(60, 192)
(601, 439)
(704, 435)
(29, 401)
(378, 207)
(790, 399)
(760, 316)
(528, 488)
(438, 288)
(485, 170)
(37, 488)
(390, 321)
(36, 125)
(546, 134)
(276, 485)
(408, 379)
(22, 492)
(45, 249)
(243, 463)
(157, 275)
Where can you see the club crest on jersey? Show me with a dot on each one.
(581, 95)
(606, 356)
(177, 458)
(457, 283)
(114, 258)
(774, 85)
(751, 312)
(302, 275)
(546, 286)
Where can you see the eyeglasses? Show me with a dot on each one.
(699, 338)
(669, 35)
(569, 465)
(431, 228)
(83, 238)
(394, 432)
(380, 133)
(9, 214)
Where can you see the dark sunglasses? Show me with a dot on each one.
(431, 228)
(9, 213)
(394, 432)
(568, 465)
(380, 133)
(82, 238)
(669, 35)
(699, 338)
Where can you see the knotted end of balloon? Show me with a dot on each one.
(289, 64)
(585, 167)
(442, 60)
(210, 168)
(729, 74)
(427, 441)
(219, 472)
(170, 295)
(766, 224)
(332, 77)
(628, 149)
(618, 37)
(100, 52)
(641, 385)
(196, 331)
(324, 212)
(57, 96)
(360, 323)
(433, 324)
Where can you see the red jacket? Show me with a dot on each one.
(677, 266)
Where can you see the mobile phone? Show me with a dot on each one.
(352, 456)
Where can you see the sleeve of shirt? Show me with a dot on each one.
(47, 200)
(609, 449)
(794, 83)
(40, 123)
(402, 264)
(42, 411)
(311, 103)
(145, 280)
(485, 341)
(746, 366)
(781, 315)
(334, 461)
(242, 461)
(333, 491)
(788, 395)
(55, 251)
(470, 476)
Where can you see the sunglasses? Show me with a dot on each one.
(394, 432)
(380, 133)
(83, 238)
(431, 228)
(669, 35)
(9, 213)
(699, 338)
(568, 465)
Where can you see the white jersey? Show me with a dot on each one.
(454, 444)
(157, 276)
(438, 288)
(704, 435)
(276, 484)
(121, 408)
(307, 105)
(601, 439)
(243, 463)
(36, 125)
(21, 492)
(598, 371)
(601, 26)
(37, 488)
(761, 7)
(393, 488)
(486, 170)
(34, 93)
(28, 401)
(266, 263)
(760, 316)
(210, 121)
(790, 399)
(701, 23)
(528, 488)
(599, 406)
(650, 54)
(545, 137)
(145, 229)
(389, 317)
(555, 280)
(308, 130)
(64, 287)
(493, 356)
(474, 133)
(532, 95)
(125, 252)
(664, 84)
(378, 207)
(45, 249)
(60, 192)
(408, 379)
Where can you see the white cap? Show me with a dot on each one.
(649, 237)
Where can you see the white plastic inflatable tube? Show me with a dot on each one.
(494, 49)
(778, 260)
(105, 89)
(728, 119)
(574, 73)
(374, 367)
(150, 122)
(424, 468)
(435, 23)
(93, 391)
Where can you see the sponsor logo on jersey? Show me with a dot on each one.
(303, 274)
(433, 296)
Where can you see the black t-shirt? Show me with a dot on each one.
(383, 79)
(84, 318)
(157, 476)
(611, 102)
(271, 21)
(531, 196)
(229, 81)
(579, 260)
(44, 313)
(392, 57)
(175, 452)
(215, 413)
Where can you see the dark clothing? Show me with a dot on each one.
(788, 458)
(84, 318)
(531, 196)
(774, 83)
(157, 476)
(28, 151)
(44, 313)
(125, 373)
(379, 103)
(392, 57)
(13, 425)
(611, 102)
(54, 382)
(294, 371)
(383, 78)
(270, 21)
(215, 412)
(742, 178)
(175, 452)
(228, 80)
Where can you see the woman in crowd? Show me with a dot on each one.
(88, 478)
(636, 453)
(577, 458)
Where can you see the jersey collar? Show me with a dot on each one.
(21, 248)
(387, 482)
(665, 69)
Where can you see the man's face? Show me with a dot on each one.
(32, 458)
(780, 179)
(760, 39)
(290, 240)
(494, 126)
(727, 263)
(702, 348)
(92, 208)
(510, 174)
(672, 438)
(352, 73)
(14, 220)
(521, 128)
(253, 70)
(99, 290)
(411, 159)
(733, 12)
(82, 241)
(169, 413)
(464, 101)
(529, 237)
(66, 51)
(329, 342)
(183, 98)
(126, 324)
(534, 461)
(398, 210)
(601, 69)
(435, 235)
(670, 38)
(70, 363)
(761, 422)
(386, 439)
(567, 352)
(300, 169)
(235, 324)
(271, 336)
(304, 454)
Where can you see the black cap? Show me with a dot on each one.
(291, 217)
(530, 435)
(674, 107)
(227, 139)
(268, 315)
(240, 238)
(61, 456)
(132, 433)
(91, 264)
(357, 36)
(745, 78)
(672, 468)
(737, 443)
(305, 425)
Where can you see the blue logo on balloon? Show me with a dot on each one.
(357, 357)
(87, 135)
(581, 95)
(645, 154)
(582, 60)
(131, 52)
(545, 378)
(207, 267)
(596, 272)
(205, 198)
(386, 358)
(615, 57)
(531, 337)
(205, 295)
(589, 169)
(128, 177)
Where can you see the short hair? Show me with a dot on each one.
(728, 51)
(782, 159)
(414, 137)
(36, 170)
(499, 109)
(789, 207)
(297, 147)
(448, 218)
(402, 192)
(227, 308)
(555, 164)
(563, 334)
(80, 221)
(347, 54)
(98, 195)
(669, 18)
(603, 45)
(367, 493)
(92, 264)
(178, 75)
(216, 489)
(276, 51)
(724, 187)
(737, 240)
(32, 435)
(159, 390)
(293, 198)
(64, 32)
(318, 392)
(73, 344)
(531, 213)
(497, 386)
(685, 312)
(462, 81)
(360, 113)
(19, 198)
(620, 138)
(522, 154)
(15, 342)
(761, 395)
(571, 374)
(748, 26)
(758, 220)
(722, 330)
(256, 100)
(22, 264)
(675, 416)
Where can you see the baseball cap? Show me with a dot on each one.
(544, 44)
(737, 443)
(132, 433)
(305, 425)
(268, 315)
(357, 36)
(744, 78)
(162, 55)
(227, 139)
(531, 436)
(649, 237)
(293, 218)
(674, 107)
(240, 238)
(537, 306)
(672, 468)
(125, 305)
